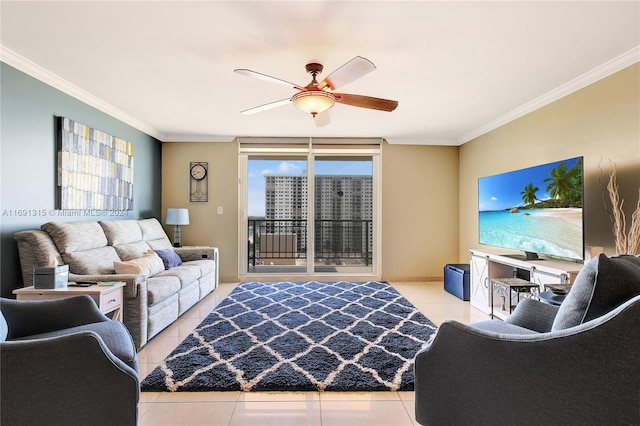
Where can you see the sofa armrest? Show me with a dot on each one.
(133, 283)
(197, 253)
(201, 253)
(72, 379)
(135, 307)
(30, 317)
(534, 315)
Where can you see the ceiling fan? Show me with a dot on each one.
(316, 98)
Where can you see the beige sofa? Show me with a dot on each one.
(92, 248)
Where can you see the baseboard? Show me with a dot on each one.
(413, 279)
(265, 277)
(303, 277)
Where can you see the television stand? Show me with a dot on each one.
(487, 266)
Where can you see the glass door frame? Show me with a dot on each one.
(310, 153)
(337, 156)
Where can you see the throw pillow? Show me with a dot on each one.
(170, 258)
(603, 284)
(150, 264)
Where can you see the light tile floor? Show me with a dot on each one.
(283, 409)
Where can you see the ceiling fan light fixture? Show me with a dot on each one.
(314, 101)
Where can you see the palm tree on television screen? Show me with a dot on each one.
(529, 194)
(564, 184)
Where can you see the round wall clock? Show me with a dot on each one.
(198, 171)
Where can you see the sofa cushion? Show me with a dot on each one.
(121, 231)
(603, 284)
(159, 244)
(70, 237)
(132, 250)
(186, 274)
(153, 234)
(151, 229)
(150, 264)
(206, 266)
(97, 261)
(159, 288)
(170, 258)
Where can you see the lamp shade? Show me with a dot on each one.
(177, 217)
(314, 101)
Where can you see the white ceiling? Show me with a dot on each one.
(458, 69)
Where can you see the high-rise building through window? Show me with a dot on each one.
(343, 211)
(336, 197)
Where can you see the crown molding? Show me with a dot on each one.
(36, 71)
(626, 59)
(421, 141)
(198, 138)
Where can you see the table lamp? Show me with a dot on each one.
(177, 217)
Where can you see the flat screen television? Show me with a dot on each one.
(537, 210)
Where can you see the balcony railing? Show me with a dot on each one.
(338, 242)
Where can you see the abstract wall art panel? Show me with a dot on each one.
(95, 169)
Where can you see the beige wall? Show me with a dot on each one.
(419, 210)
(419, 205)
(207, 226)
(600, 122)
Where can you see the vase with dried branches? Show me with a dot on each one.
(626, 242)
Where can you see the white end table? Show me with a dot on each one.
(109, 298)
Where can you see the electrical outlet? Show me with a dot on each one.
(220, 209)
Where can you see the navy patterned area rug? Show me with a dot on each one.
(300, 336)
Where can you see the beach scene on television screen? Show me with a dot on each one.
(538, 209)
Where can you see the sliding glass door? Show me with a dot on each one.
(277, 214)
(309, 211)
(343, 215)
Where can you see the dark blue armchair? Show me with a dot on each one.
(63, 362)
(577, 364)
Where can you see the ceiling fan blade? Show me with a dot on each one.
(322, 119)
(352, 70)
(266, 106)
(268, 78)
(366, 102)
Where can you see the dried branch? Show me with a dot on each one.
(619, 219)
(633, 241)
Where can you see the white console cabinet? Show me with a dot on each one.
(486, 266)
